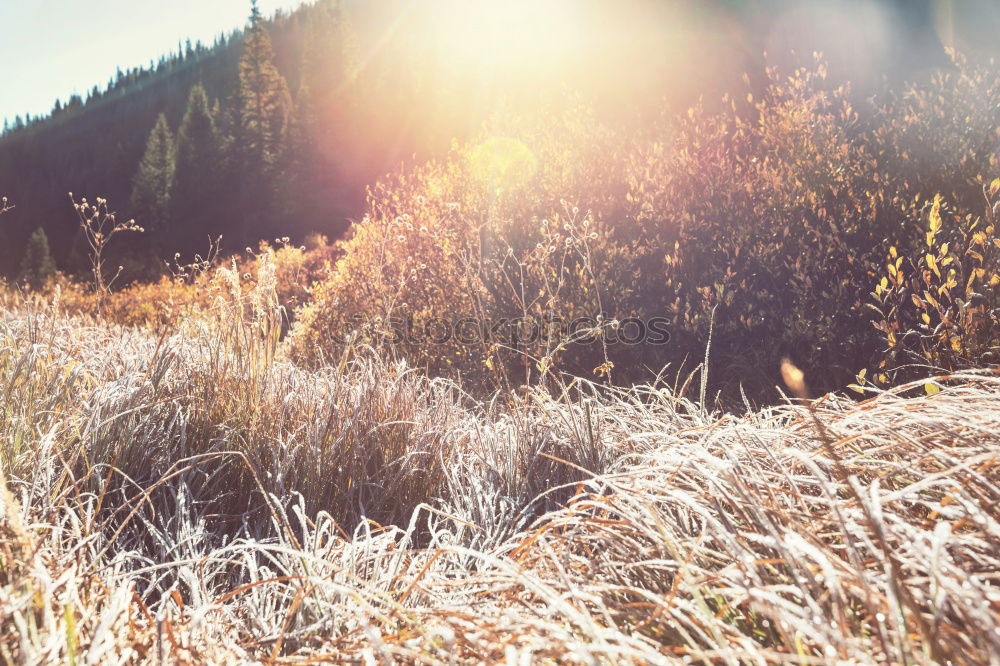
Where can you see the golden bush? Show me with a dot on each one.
(765, 221)
(939, 306)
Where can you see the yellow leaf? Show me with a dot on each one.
(995, 186)
(932, 389)
(935, 218)
(926, 317)
(932, 264)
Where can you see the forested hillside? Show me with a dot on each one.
(94, 146)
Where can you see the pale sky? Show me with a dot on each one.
(52, 48)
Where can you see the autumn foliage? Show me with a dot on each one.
(775, 212)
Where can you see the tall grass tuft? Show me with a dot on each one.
(196, 498)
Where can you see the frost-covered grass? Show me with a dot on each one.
(197, 499)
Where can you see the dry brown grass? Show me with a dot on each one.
(197, 499)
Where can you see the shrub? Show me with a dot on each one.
(763, 222)
(296, 268)
(938, 307)
(190, 292)
(942, 135)
(481, 236)
(763, 214)
(158, 306)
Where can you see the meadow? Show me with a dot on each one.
(194, 498)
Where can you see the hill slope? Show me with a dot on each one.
(93, 148)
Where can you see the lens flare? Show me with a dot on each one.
(503, 164)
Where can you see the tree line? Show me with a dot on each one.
(221, 141)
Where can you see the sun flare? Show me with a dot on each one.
(503, 163)
(519, 33)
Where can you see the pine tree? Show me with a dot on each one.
(153, 183)
(37, 266)
(263, 114)
(265, 104)
(195, 195)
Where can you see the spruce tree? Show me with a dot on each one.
(265, 104)
(195, 195)
(153, 183)
(37, 266)
(264, 110)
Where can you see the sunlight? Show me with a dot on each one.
(503, 163)
(481, 33)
